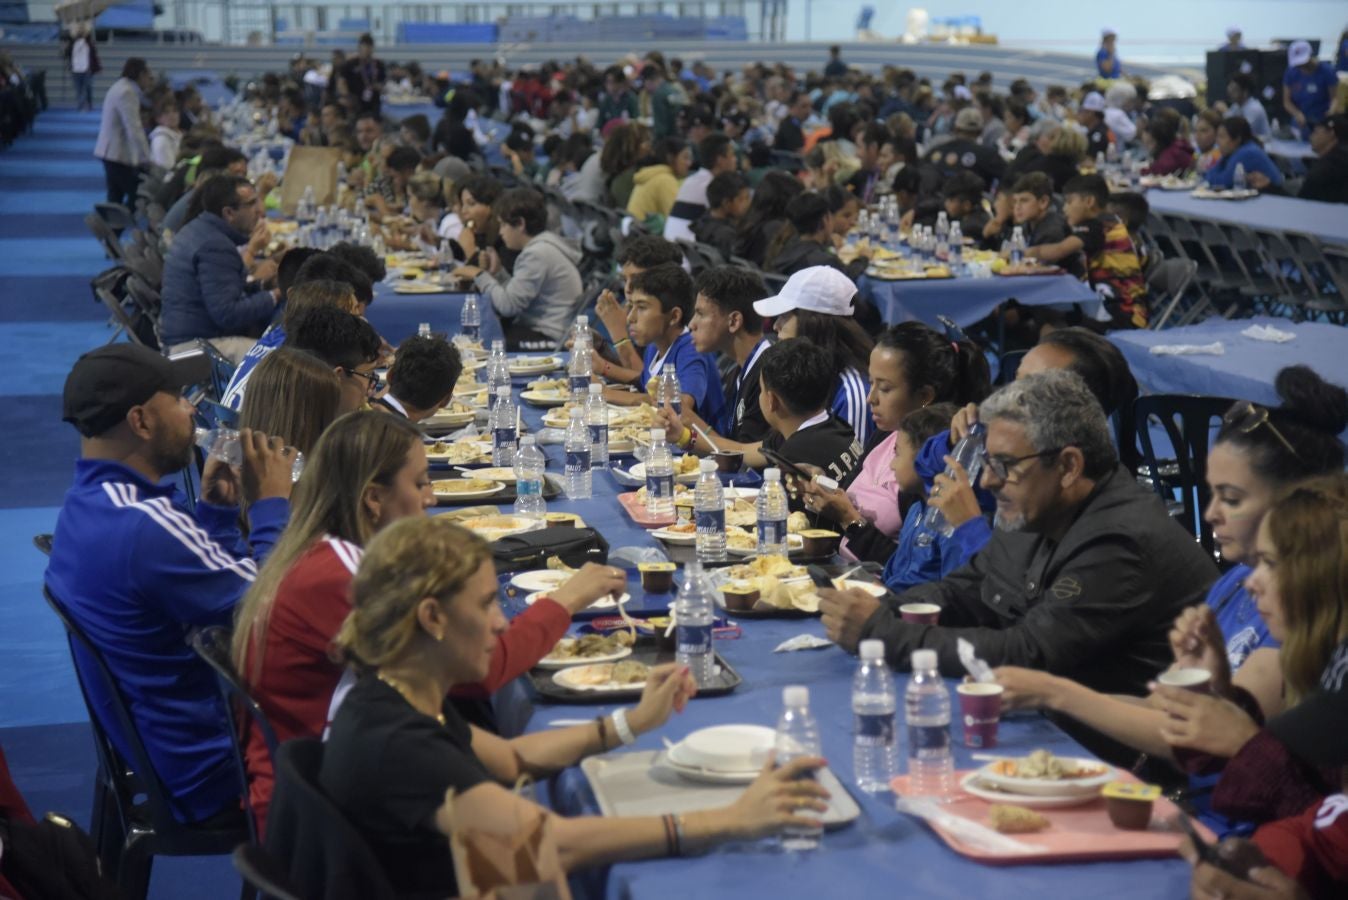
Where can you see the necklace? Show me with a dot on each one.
(401, 688)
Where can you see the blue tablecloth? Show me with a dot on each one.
(968, 300)
(396, 316)
(1326, 221)
(1246, 370)
(883, 851)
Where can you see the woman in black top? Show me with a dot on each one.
(425, 617)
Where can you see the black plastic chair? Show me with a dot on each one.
(263, 873)
(212, 645)
(128, 831)
(1187, 420)
(328, 858)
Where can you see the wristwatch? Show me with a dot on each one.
(855, 525)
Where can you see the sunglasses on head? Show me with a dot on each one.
(1246, 417)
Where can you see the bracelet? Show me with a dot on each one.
(622, 728)
(603, 732)
(671, 835)
(685, 439)
(678, 835)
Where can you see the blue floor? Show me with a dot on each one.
(48, 317)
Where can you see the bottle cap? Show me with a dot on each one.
(707, 465)
(796, 695)
(873, 650)
(657, 434)
(503, 391)
(924, 659)
(596, 388)
(772, 474)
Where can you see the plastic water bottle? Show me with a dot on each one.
(709, 513)
(1017, 245)
(931, 767)
(659, 477)
(470, 318)
(424, 330)
(670, 391)
(693, 615)
(578, 480)
(955, 251)
(942, 243)
(969, 454)
(223, 444)
(504, 426)
(1238, 179)
(498, 368)
(771, 508)
(304, 210)
(596, 417)
(580, 366)
(797, 736)
(942, 224)
(875, 746)
(529, 467)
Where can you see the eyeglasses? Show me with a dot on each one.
(371, 379)
(1001, 466)
(1245, 417)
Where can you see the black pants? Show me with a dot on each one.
(522, 337)
(123, 180)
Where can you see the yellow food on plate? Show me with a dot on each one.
(1010, 819)
(776, 566)
(466, 451)
(739, 539)
(797, 522)
(590, 646)
(678, 489)
(463, 486)
(740, 512)
(686, 464)
(550, 384)
(629, 671)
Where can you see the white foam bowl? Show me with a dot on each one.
(725, 748)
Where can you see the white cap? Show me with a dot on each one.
(772, 473)
(1299, 53)
(1094, 101)
(1232, 32)
(657, 434)
(962, 93)
(872, 650)
(706, 465)
(796, 695)
(596, 388)
(582, 319)
(821, 289)
(503, 391)
(1108, 31)
(924, 659)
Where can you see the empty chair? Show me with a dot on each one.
(1168, 283)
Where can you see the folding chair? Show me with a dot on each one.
(128, 833)
(1261, 273)
(1326, 281)
(1211, 278)
(1168, 283)
(117, 216)
(1302, 296)
(112, 245)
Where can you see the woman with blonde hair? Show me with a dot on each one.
(368, 470)
(294, 395)
(424, 618)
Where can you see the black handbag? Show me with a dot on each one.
(531, 549)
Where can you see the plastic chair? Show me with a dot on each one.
(1168, 283)
(1187, 420)
(328, 858)
(212, 646)
(263, 873)
(128, 833)
(117, 216)
(43, 542)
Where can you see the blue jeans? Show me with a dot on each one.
(84, 89)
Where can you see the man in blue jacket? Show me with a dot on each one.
(136, 570)
(207, 290)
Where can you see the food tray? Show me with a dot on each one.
(1075, 834)
(644, 651)
(639, 784)
(551, 489)
(636, 509)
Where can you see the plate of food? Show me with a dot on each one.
(685, 469)
(588, 649)
(495, 527)
(466, 488)
(541, 580)
(974, 786)
(1041, 774)
(455, 414)
(562, 385)
(600, 677)
(495, 473)
(546, 398)
(533, 365)
(420, 287)
(1207, 193)
(683, 534)
(608, 602)
(1027, 268)
(464, 452)
(743, 542)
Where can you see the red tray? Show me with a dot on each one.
(1075, 834)
(637, 510)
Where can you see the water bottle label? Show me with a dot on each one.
(693, 640)
(504, 438)
(875, 730)
(580, 383)
(927, 741)
(771, 533)
(710, 521)
(527, 487)
(677, 403)
(578, 460)
(660, 487)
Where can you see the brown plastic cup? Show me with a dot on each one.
(920, 613)
(980, 712)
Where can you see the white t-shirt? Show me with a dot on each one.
(692, 198)
(79, 56)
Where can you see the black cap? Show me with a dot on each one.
(1338, 123)
(105, 383)
(1314, 729)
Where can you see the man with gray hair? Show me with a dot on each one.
(1085, 571)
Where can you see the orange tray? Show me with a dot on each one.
(1075, 834)
(636, 509)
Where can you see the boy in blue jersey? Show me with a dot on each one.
(137, 570)
(659, 308)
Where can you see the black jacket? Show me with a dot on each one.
(800, 254)
(719, 233)
(1096, 608)
(1327, 179)
(789, 136)
(962, 154)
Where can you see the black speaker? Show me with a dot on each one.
(1222, 64)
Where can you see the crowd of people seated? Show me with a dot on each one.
(355, 614)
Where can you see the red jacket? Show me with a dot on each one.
(298, 677)
(1173, 160)
(1312, 847)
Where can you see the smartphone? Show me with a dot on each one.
(784, 464)
(1237, 860)
(1206, 852)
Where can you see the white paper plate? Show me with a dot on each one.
(972, 784)
(451, 419)
(496, 488)
(677, 538)
(601, 603)
(707, 776)
(1049, 787)
(546, 399)
(485, 453)
(495, 473)
(620, 653)
(638, 471)
(541, 580)
(569, 679)
(726, 750)
(531, 365)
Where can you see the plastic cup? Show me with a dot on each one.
(1197, 680)
(980, 712)
(920, 613)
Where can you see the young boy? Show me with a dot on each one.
(1112, 264)
(795, 386)
(1132, 208)
(1029, 205)
(637, 255)
(724, 322)
(963, 193)
(658, 309)
(728, 199)
(165, 139)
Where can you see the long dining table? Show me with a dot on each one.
(882, 851)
